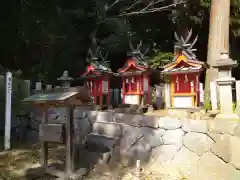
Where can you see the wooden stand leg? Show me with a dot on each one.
(44, 154)
(44, 145)
(69, 142)
(70, 151)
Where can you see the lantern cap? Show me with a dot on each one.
(65, 77)
(136, 53)
(225, 60)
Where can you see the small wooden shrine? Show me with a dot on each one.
(59, 132)
(97, 77)
(135, 78)
(183, 75)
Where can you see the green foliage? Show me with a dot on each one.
(207, 105)
(44, 38)
(160, 59)
(205, 3)
(234, 105)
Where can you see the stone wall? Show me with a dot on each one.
(20, 90)
(197, 149)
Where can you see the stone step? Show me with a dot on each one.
(100, 143)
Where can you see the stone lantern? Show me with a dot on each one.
(225, 81)
(65, 79)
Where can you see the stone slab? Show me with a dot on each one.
(149, 121)
(221, 126)
(169, 123)
(214, 136)
(173, 137)
(195, 126)
(92, 115)
(197, 142)
(186, 161)
(129, 119)
(164, 153)
(108, 129)
(221, 148)
(237, 131)
(104, 116)
(212, 167)
(235, 149)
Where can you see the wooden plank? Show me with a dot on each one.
(52, 133)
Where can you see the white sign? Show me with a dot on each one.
(182, 102)
(159, 91)
(104, 86)
(167, 95)
(38, 86)
(145, 84)
(201, 91)
(8, 111)
(132, 99)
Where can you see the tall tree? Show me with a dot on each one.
(217, 41)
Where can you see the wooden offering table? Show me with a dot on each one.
(53, 132)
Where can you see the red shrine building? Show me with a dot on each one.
(135, 76)
(183, 76)
(97, 79)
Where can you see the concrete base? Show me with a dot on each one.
(227, 117)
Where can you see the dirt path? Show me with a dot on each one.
(15, 164)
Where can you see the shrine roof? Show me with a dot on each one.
(97, 62)
(182, 64)
(134, 63)
(177, 61)
(185, 59)
(182, 70)
(96, 69)
(130, 73)
(100, 67)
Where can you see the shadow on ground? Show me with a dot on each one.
(23, 161)
(15, 163)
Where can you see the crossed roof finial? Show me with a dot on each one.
(95, 56)
(137, 51)
(183, 43)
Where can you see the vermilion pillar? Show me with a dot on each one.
(123, 89)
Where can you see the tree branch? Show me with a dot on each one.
(133, 5)
(147, 10)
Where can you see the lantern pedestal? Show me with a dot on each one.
(225, 81)
(225, 97)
